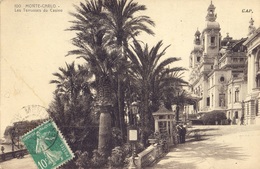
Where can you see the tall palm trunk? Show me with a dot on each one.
(105, 130)
(120, 93)
(121, 106)
(145, 114)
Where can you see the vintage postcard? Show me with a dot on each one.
(129, 84)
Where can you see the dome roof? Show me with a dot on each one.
(211, 6)
(197, 32)
(212, 25)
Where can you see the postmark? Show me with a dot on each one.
(47, 146)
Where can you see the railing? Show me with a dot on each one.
(13, 154)
(149, 155)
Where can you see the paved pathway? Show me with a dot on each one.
(221, 147)
(24, 163)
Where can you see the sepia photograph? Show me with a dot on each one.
(120, 84)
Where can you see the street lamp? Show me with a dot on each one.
(133, 133)
(134, 109)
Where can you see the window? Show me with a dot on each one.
(247, 108)
(208, 101)
(237, 95)
(222, 79)
(221, 100)
(212, 41)
(212, 96)
(198, 59)
(236, 115)
(258, 64)
(229, 99)
(257, 81)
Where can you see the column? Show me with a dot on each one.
(252, 112)
(156, 125)
(247, 112)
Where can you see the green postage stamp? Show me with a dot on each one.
(47, 146)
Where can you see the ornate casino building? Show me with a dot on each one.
(225, 72)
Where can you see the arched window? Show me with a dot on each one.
(237, 95)
(257, 80)
(212, 41)
(258, 63)
(222, 100)
(222, 79)
(198, 58)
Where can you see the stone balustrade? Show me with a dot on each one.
(149, 155)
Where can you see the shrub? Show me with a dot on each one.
(117, 139)
(127, 149)
(117, 157)
(82, 159)
(98, 159)
(213, 117)
(139, 147)
(120, 155)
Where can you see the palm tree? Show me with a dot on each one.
(123, 25)
(70, 82)
(93, 46)
(71, 104)
(147, 74)
(103, 28)
(166, 87)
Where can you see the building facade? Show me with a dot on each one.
(218, 70)
(252, 101)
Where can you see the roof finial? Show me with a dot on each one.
(251, 21)
(251, 28)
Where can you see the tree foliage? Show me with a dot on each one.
(118, 70)
(211, 118)
(72, 106)
(152, 81)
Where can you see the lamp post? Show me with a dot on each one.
(133, 132)
(134, 110)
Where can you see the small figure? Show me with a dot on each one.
(179, 133)
(2, 149)
(242, 120)
(3, 153)
(229, 121)
(183, 134)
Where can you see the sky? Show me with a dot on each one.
(34, 44)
